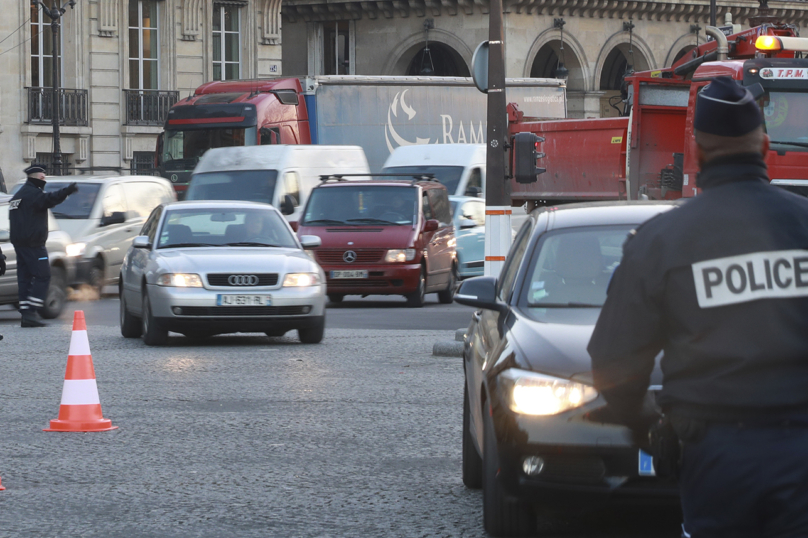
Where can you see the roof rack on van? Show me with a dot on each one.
(415, 177)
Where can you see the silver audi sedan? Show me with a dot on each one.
(207, 268)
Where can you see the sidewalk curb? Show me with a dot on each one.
(448, 349)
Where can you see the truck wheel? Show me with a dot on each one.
(57, 294)
(502, 516)
(130, 325)
(95, 278)
(472, 462)
(416, 299)
(447, 296)
(313, 335)
(153, 334)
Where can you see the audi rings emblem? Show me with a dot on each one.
(349, 256)
(242, 280)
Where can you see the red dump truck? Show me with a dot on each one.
(650, 152)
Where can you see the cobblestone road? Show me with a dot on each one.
(243, 436)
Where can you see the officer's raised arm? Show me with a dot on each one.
(47, 200)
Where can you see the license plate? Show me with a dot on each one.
(349, 274)
(646, 464)
(243, 300)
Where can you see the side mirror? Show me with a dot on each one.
(310, 241)
(288, 204)
(474, 191)
(465, 224)
(141, 241)
(117, 217)
(480, 292)
(431, 225)
(5, 236)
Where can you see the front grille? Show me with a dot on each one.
(358, 283)
(244, 310)
(334, 256)
(264, 279)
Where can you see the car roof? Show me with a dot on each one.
(100, 179)
(429, 184)
(224, 204)
(603, 213)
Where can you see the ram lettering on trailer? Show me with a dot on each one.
(753, 276)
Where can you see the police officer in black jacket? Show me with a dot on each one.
(28, 216)
(720, 284)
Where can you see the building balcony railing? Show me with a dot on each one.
(148, 107)
(73, 106)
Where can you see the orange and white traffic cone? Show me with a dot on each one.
(80, 410)
(1, 485)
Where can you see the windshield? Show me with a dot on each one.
(222, 227)
(357, 205)
(786, 116)
(247, 185)
(574, 267)
(448, 175)
(78, 205)
(182, 149)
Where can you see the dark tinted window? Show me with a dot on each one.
(247, 185)
(440, 205)
(426, 207)
(78, 205)
(474, 186)
(360, 204)
(513, 260)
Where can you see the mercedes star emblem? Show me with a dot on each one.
(349, 256)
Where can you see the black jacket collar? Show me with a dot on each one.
(731, 169)
(38, 183)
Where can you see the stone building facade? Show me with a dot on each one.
(123, 63)
(601, 38)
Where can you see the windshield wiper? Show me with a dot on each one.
(571, 304)
(180, 245)
(65, 216)
(376, 221)
(323, 221)
(790, 143)
(249, 244)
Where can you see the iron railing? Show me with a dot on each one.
(148, 107)
(73, 106)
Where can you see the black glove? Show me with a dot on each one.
(2, 264)
(71, 188)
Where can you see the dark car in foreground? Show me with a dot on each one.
(535, 431)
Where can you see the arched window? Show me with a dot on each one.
(439, 60)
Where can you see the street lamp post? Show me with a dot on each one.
(55, 14)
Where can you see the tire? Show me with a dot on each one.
(502, 516)
(56, 297)
(313, 335)
(153, 334)
(447, 296)
(95, 278)
(416, 299)
(131, 327)
(472, 462)
(334, 298)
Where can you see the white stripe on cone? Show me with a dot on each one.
(80, 392)
(79, 344)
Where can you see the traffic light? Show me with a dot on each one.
(525, 154)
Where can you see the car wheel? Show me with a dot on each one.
(275, 333)
(313, 335)
(334, 298)
(416, 298)
(472, 462)
(153, 334)
(502, 516)
(447, 296)
(130, 325)
(95, 278)
(57, 294)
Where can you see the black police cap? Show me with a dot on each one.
(726, 108)
(34, 169)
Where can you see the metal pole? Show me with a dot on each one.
(712, 13)
(57, 149)
(497, 199)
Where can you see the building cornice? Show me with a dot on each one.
(671, 11)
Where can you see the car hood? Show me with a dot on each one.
(553, 341)
(244, 260)
(361, 236)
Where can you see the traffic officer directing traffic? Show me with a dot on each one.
(720, 284)
(28, 216)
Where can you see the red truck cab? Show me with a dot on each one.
(383, 237)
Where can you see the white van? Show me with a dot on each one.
(280, 175)
(460, 167)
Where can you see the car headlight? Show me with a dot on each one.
(301, 280)
(75, 249)
(400, 255)
(529, 393)
(180, 280)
